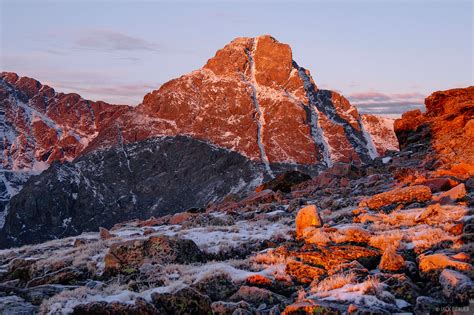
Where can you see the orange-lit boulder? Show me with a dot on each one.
(307, 217)
(398, 196)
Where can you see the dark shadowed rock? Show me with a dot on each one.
(285, 181)
(428, 305)
(256, 296)
(218, 287)
(16, 305)
(140, 307)
(230, 308)
(151, 178)
(184, 301)
(457, 287)
(125, 256)
(69, 275)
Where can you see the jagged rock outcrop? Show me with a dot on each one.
(40, 125)
(445, 131)
(148, 178)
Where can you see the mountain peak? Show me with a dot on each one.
(270, 60)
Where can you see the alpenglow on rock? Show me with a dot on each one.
(39, 126)
(253, 98)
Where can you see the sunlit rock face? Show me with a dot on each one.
(253, 98)
(40, 125)
(446, 129)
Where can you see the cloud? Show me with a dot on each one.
(107, 40)
(392, 105)
(129, 94)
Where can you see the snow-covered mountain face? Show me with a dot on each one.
(253, 98)
(381, 132)
(40, 126)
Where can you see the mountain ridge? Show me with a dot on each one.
(251, 97)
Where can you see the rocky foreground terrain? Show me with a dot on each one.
(390, 236)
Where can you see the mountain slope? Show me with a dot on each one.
(40, 126)
(154, 177)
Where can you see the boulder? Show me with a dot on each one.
(439, 184)
(303, 273)
(452, 195)
(217, 287)
(457, 287)
(19, 268)
(330, 257)
(16, 305)
(179, 218)
(398, 196)
(313, 307)
(104, 234)
(264, 196)
(284, 182)
(78, 242)
(68, 275)
(391, 261)
(403, 287)
(230, 308)
(307, 217)
(428, 212)
(183, 301)
(430, 266)
(345, 170)
(256, 296)
(130, 255)
(429, 305)
(139, 307)
(36, 295)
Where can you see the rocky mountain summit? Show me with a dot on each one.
(392, 236)
(250, 99)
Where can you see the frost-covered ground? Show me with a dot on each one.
(244, 255)
(86, 252)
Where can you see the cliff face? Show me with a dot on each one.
(446, 129)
